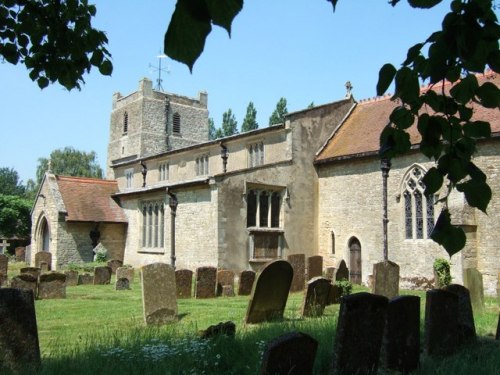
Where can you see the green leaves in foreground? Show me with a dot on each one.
(451, 237)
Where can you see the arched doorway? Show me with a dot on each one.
(44, 235)
(355, 261)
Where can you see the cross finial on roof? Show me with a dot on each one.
(348, 87)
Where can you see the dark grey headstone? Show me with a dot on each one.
(184, 283)
(342, 271)
(441, 322)
(122, 283)
(386, 279)
(223, 328)
(473, 280)
(466, 326)
(316, 296)
(19, 347)
(25, 281)
(314, 266)
(43, 256)
(125, 272)
(247, 278)
(224, 278)
(334, 294)
(270, 292)
(206, 282)
(158, 293)
(102, 275)
(497, 336)
(114, 264)
(71, 277)
(33, 271)
(298, 262)
(85, 279)
(4, 264)
(291, 354)
(402, 334)
(52, 285)
(360, 329)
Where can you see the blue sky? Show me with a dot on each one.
(297, 49)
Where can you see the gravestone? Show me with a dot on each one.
(401, 348)
(291, 354)
(4, 264)
(20, 254)
(330, 273)
(19, 347)
(270, 292)
(227, 291)
(44, 267)
(206, 282)
(497, 336)
(43, 256)
(441, 322)
(334, 294)
(114, 264)
(3, 280)
(158, 293)
(314, 266)
(122, 283)
(225, 278)
(224, 328)
(466, 326)
(247, 278)
(360, 329)
(342, 271)
(33, 271)
(298, 263)
(102, 275)
(184, 283)
(473, 280)
(386, 279)
(25, 281)
(316, 296)
(71, 277)
(85, 279)
(125, 272)
(52, 285)
(498, 288)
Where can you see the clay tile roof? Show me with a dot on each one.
(89, 199)
(360, 133)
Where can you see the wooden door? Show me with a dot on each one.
(355, 261)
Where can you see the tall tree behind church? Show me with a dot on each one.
(69, 162)
(278, 115)
(229, 123)
(250, 120)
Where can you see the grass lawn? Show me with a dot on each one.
(97, 330)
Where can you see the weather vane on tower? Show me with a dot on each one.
(159, 69)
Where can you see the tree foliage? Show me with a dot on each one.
(279, 113)
(211, 129)
(229, 123)
(55, 40)
(10, 183)
(15, 216)
(250, 120)
(69, 162)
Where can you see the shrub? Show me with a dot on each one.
(101, 255)
(442, 271)
(345, 287)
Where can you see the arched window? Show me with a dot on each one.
(125, 122)
(176, 123)
(418, 208)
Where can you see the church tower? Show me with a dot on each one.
(149, 122)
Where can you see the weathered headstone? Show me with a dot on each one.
(85, 279)
(125, 272)
(71, 277)
(441, 322)
(314, 266)
(102, 275)
(247, 278)
(497, 336)
(184, 283)
(330, 273)
(473, 280)
(224, 278)
(334, 294)
(386, 279)
(114, 264)
(316, 296)
(401, 350)
(44, 267)
(25, 281)
(158, 293)
(205, 282)
(298, 263)
(20, 254)
(19, 347)
(224, 328)
(122, 284)
(270, 292)
(4, 264)
(342, 271)
(360, 329)
(33, 271)
(291, 354)
(466, 326)
(52, 285)
(43, 256)
(3, 280)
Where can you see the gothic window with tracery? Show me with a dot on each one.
(163, 171)
(418, 208)
(153, 223)
(263, 208)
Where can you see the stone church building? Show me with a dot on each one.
(311, 185)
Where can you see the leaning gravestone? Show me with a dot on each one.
(298, 263)
(20, 254)
(125, 272)
(342, 271)
(386, 279)
(316, 296)
(4, 264)
(43, 256)
(184, 283)
(360, 329)
(158, 293)
(225, 278)
(122, 284)
(291, 354)
(25, 281)
(52, 285)
(85, 279)
(466, 326)
(102, 275)
(33, 271)
(247, 278)
(114, 264)
(401, 349)
(473, 280)
(441, 322)
(19, 348)
(314, 266)
(270, 292)
(205, 282)
(71, 277)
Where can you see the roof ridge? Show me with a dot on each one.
(85, 179)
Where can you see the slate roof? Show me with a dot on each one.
(89, 199)
(359, 134)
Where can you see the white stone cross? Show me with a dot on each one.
(3, 246)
